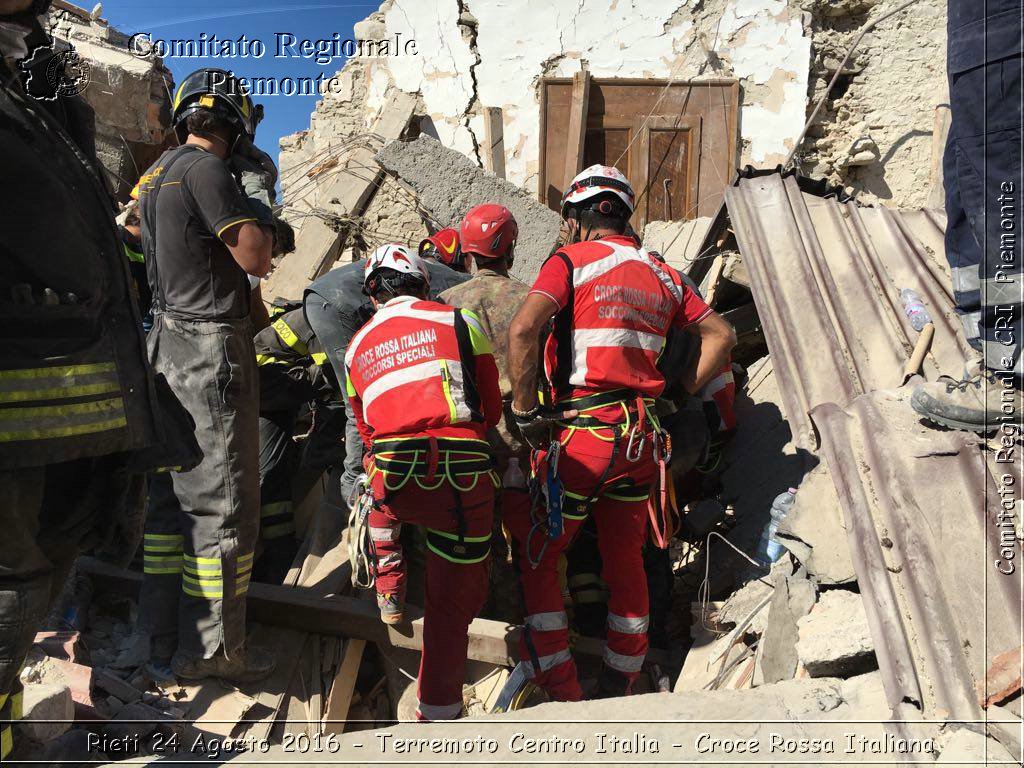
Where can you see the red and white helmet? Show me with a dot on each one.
(397, 257)
(489, 230)
(599, 180)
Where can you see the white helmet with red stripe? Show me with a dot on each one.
(396, 257)
(599, 180)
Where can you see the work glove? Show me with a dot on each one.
(536, 426)
(257, 176)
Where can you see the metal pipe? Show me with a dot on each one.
(835, 78)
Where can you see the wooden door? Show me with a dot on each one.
(676, 143)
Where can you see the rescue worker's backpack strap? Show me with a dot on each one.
(147, 215)
(467, 357)
(562, 331)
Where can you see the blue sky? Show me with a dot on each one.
(260, 20)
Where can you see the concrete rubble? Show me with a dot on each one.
(447, 184)
(835, 638)
(130, 94)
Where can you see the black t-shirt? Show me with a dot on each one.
(193, 274)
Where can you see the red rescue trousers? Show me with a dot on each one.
(590, 467)
(456, 574)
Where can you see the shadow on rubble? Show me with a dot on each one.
(762, 462)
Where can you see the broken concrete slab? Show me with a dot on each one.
(814, 531)
(794, 596)
(966, 747)
(48, 711)
(678, 241)
(448, 184)
(834, 638)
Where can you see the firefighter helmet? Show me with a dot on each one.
(394, 257)
(489, 231)
(217, 91)
(598, 180)
(444, 246)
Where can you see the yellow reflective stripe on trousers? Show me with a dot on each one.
(288, 336)
(163, 542)
(58, 382)
(162, 564)
(319, 357)
(46, 422)
(205, 588)
(244, 573)
(6, 742)
(18, 704)
(277, 508)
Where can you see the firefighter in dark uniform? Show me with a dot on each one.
(204, 234)
(77, 398)
(296, 382)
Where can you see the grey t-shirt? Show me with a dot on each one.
(193, 274)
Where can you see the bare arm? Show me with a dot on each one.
(250, 244)
(717, 339)
(523, 348)
(258, 310)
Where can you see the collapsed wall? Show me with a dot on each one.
(130, 94)
(874, 134)
(473, 55)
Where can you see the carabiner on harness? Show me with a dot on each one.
(362, 553)
(635, 446)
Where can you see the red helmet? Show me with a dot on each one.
(443, 246)
(489, 230)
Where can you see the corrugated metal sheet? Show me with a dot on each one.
(920, 504)
(826, 279)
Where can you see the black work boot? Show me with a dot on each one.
(611, 684)
(979, 402)
(247, 666)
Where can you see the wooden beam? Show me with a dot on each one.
(577, 133)
(344, 686)
(494, 642)
(494, 136)
(317, 245)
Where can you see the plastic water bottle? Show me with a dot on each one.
(769, 549)
(914, 309)
(514, 477)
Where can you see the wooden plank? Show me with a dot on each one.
(317, 245)
(577, 126)
(494, 137)
(344, 686)
(315, 610)
(713, 278)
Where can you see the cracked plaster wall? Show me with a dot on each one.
(493, 53)
(476, 53)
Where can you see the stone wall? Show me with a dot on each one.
(874, 135)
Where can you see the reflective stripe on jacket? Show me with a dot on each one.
(610, 334)
(413, 368)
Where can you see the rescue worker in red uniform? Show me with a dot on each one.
(598, 448)
(424, 391)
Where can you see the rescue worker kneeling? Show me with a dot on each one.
(599, 451)
(424, 390)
